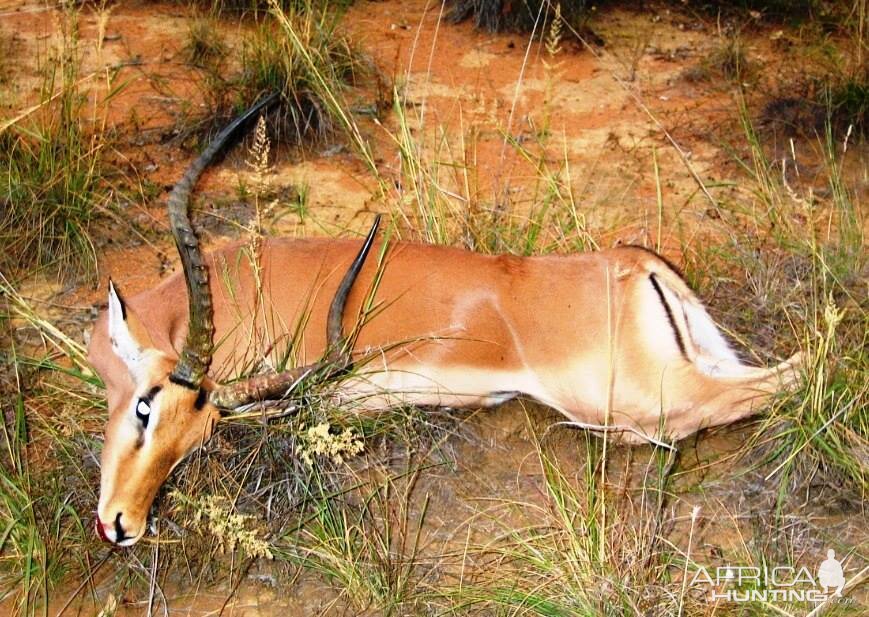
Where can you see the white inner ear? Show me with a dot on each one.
(123, 344)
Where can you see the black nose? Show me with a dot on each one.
(120, 536)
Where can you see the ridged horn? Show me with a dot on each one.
(271, 387)
(198, 347)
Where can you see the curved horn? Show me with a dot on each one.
(265, 387)
(338, 354)
(198, 347)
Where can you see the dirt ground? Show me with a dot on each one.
(606, 113)
(610, 112)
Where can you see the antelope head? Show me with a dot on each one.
(159, 412)
(165, 407)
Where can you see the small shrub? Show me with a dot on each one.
(519, 15)
(839, 101)
(298, 52)
(726, 60)
(205, 46)
(849, 103)
(775, 9)
(729, 58)
(260, 8)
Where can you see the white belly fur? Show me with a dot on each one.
(435, 386)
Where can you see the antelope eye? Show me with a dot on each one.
(143, 412)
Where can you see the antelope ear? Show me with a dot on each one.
(130, 339)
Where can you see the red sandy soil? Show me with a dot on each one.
(460, 90)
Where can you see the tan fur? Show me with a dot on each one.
(585, 334)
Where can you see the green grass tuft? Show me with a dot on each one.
(296, 49)
(51, 176)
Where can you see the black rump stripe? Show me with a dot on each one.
(669, 312)
(673, 267)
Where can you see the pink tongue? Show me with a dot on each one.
(100, 531)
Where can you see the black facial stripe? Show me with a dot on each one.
(669, 313)
(143, 417)
(119, 531)
(149, 396)
(146, 398)
(201, 397)
(178, 381)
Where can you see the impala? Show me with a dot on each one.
(614, 340)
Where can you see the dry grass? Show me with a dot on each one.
(52, 178)
(297, 49)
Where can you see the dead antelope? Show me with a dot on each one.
(614, 340)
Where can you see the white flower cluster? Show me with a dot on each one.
(320, 441)
(232, 530)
